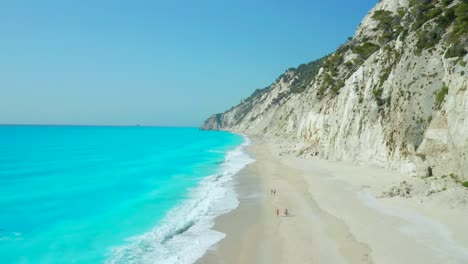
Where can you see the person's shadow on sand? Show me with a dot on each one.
(289, 215)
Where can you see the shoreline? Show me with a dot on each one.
(336, 216)
(245, 234)
(185, 231)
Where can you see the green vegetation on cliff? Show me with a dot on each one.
(461, 19)
(389, 24)
(365, 50)
(304, 74)
(440, 96)
(432, 20)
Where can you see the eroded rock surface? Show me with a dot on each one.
(389, 97)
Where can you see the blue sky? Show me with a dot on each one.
(155, 62)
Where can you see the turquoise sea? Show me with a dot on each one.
(84, 194)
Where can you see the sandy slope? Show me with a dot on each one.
(336, 217)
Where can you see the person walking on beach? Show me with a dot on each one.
(277, 212)
(273, 192)
(286, 212)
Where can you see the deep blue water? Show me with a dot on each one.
(75, 194)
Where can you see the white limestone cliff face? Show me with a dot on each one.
(386, 113)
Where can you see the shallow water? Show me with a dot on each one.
(72, 194)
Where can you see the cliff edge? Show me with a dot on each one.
(395, 95)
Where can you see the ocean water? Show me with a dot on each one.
(71, 194)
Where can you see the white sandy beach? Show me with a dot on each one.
(336, 216)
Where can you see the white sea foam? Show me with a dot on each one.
(185, 233)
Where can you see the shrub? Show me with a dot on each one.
(378, 96)
(389, 24)
(401, 12)
(321, 91)
(442, 23)
(415, 2)
(426, 40)
(440, 96)
(433, 13)
(365, 50)
(342, 49)
(404, 34)
(337, 87)
(327, 80)
(377, 92)
(358, 61)
(332, 62)
(429, 38)
(259, 91)
(348, 64)
(384, 76)
(305, 73)
(446, 2)
(384, 17)
(422, 12)
(446, 19)
(465, 184)
(456, 50)
(461, 18)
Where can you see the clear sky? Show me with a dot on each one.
(168, 62)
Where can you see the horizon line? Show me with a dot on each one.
(95, 125)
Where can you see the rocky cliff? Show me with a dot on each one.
(395, 95)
